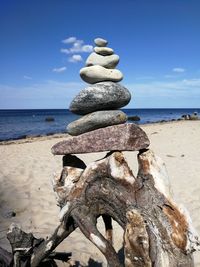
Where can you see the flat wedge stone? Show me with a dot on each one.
(122, 137)
(100, 96)
(96, 120)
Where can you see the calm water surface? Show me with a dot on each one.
(15, 124)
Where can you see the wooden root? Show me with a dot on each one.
(157, 232)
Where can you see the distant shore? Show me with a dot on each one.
(27, 124)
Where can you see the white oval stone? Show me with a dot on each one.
(94, 74)
(104, 51)
(100, 42)
(109, 62)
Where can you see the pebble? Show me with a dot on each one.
(104, 51)
(95, 74)
(96, 120)
(122, 137)
(100, 42)
(100, 96)
(109, 62)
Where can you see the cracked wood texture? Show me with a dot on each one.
(157, 232)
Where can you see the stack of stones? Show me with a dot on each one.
(100, 101)
(103, 126)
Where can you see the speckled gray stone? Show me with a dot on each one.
(100, 96)
(109, 62)
(100, 42)
(95, 74)
(96, 120)
(122, 137)
(104, 51)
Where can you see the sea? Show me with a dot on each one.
(17, 124)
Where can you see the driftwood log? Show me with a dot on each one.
(157, 232)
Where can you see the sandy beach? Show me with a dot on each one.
(27, 166)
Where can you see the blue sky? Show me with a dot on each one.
(43, 45)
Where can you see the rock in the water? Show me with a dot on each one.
(100, 42)
(109, 62)
(95, 74)
(122, 137)
(134, 118)
(96, 120)
(104, 51)
(100, 96)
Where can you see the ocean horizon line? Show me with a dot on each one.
(2, 109)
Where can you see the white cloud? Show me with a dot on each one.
(47, 94)
(149, 94)
(69, 40)
(58, 70)
(179, 70)
(75, 58)
(183, 93)
(27, 77)
(77, 47)
(175, 89)
(87, 48)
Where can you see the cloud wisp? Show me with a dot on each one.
(75, 58)
(178, 70)
(59, 70)
(69, 40)
(78, 46)
(46, 94)
(54, 94)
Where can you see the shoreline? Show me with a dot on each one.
(33, 138)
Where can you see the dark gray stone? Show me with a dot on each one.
(100, 96)
(96, 120)
(73, 161)
(122, 137)
(134, 118)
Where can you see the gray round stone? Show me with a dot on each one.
(95, 74)
(104, 51)
(109, 62)
(100, 96)
(96, 120)
(100, 42)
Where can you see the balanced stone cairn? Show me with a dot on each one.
(103, 125)
(156, 231)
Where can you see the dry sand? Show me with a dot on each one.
(26, 169)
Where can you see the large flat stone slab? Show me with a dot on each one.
(96, 120)
(123, 137)
(100, 96)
